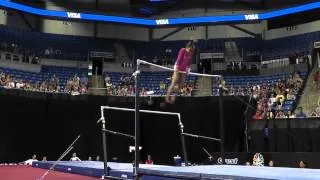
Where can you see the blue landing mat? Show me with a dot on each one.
(157, 172)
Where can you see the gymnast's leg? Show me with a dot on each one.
(171, 88)
(176, 85)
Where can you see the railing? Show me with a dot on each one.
(287, 123)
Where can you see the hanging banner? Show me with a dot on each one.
(107, 55)
(211, 55)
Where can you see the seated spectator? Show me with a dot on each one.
(143, 92)
(270, 115)
(280, 97)
(303, 164)
(20, 84)
(300, 113)
(290, 95)
(130, 90)
(271, 164)
(231, 91)
(316, 79)
(107, 78)
(74, 157)
(280, 114)
(43, 87)
(44, 158)
(240, 91)
(149, 160)
(29, 161)
(272, 102)
(84, 80)
(109, 84)
(259, 115)
(83, 89)
(162, 86)
(296, 78)
(256, 87)
(155, 60)
(316, 112)
(97, 158)
(256, 94)
(290, 115)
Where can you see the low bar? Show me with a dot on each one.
(141, 110)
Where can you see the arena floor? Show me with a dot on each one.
(155, 172)
(18, 172)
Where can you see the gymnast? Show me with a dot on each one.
(181, 69)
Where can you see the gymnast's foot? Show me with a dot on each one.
(170, 99)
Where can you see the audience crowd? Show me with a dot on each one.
(316, 112)
(126, 87)
(74, 86)
(49, 52)
(271, 98)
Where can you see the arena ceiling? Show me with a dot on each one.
(156, 7)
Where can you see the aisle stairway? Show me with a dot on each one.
(96, 85)
(310, 96)
(231, 51)
(121, 52)
(205, 86)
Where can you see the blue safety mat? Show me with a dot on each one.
(157, 172)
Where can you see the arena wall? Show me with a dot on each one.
(12, 18)
(3, 16)
(67, 27)
(295, 30)
(46, 124)
(123, 32)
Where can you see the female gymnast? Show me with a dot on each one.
(181, 69)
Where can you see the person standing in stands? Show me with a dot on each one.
(44, 159)
(316, 78)
(300, 113)
(97, 158)
(149, 160)
(181, 69)
(74, 157)
(303, 164)
(29, 161)
(266, 134)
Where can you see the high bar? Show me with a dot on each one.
(170, 69)
(141, 110)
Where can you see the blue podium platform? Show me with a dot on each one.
(157, 172)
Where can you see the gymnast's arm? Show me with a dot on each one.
(179, 59)
(189, 65)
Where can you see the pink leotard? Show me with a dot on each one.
(184, 60)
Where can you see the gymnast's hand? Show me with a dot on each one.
(188, 71)
(175, 68)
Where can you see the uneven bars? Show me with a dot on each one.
(119, 133)
(144, 111)
(170, 69)
(201, 137)
(152, 112)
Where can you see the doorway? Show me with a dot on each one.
(97, 66)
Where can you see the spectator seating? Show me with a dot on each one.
(150, 81)
(280, 47)
(244, 81)
(62, 73)
(77, 47)
(72, 47)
